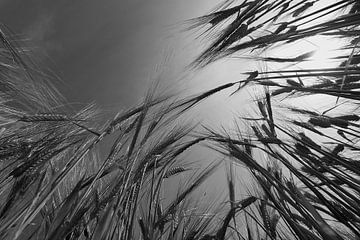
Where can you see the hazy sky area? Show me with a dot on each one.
(102, 50)
(106, 51)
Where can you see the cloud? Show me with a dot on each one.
(41, 30)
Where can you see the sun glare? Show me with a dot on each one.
(313, 52)
(325, 52)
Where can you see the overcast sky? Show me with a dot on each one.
(102, 50)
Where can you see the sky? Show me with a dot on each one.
(103, 51)
(108, 51)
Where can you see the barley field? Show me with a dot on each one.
(296, 145)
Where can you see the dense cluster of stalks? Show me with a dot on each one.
(305, 166)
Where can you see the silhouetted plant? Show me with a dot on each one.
(304, 163)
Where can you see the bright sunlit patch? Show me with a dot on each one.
(326, 52)
(310, 53)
